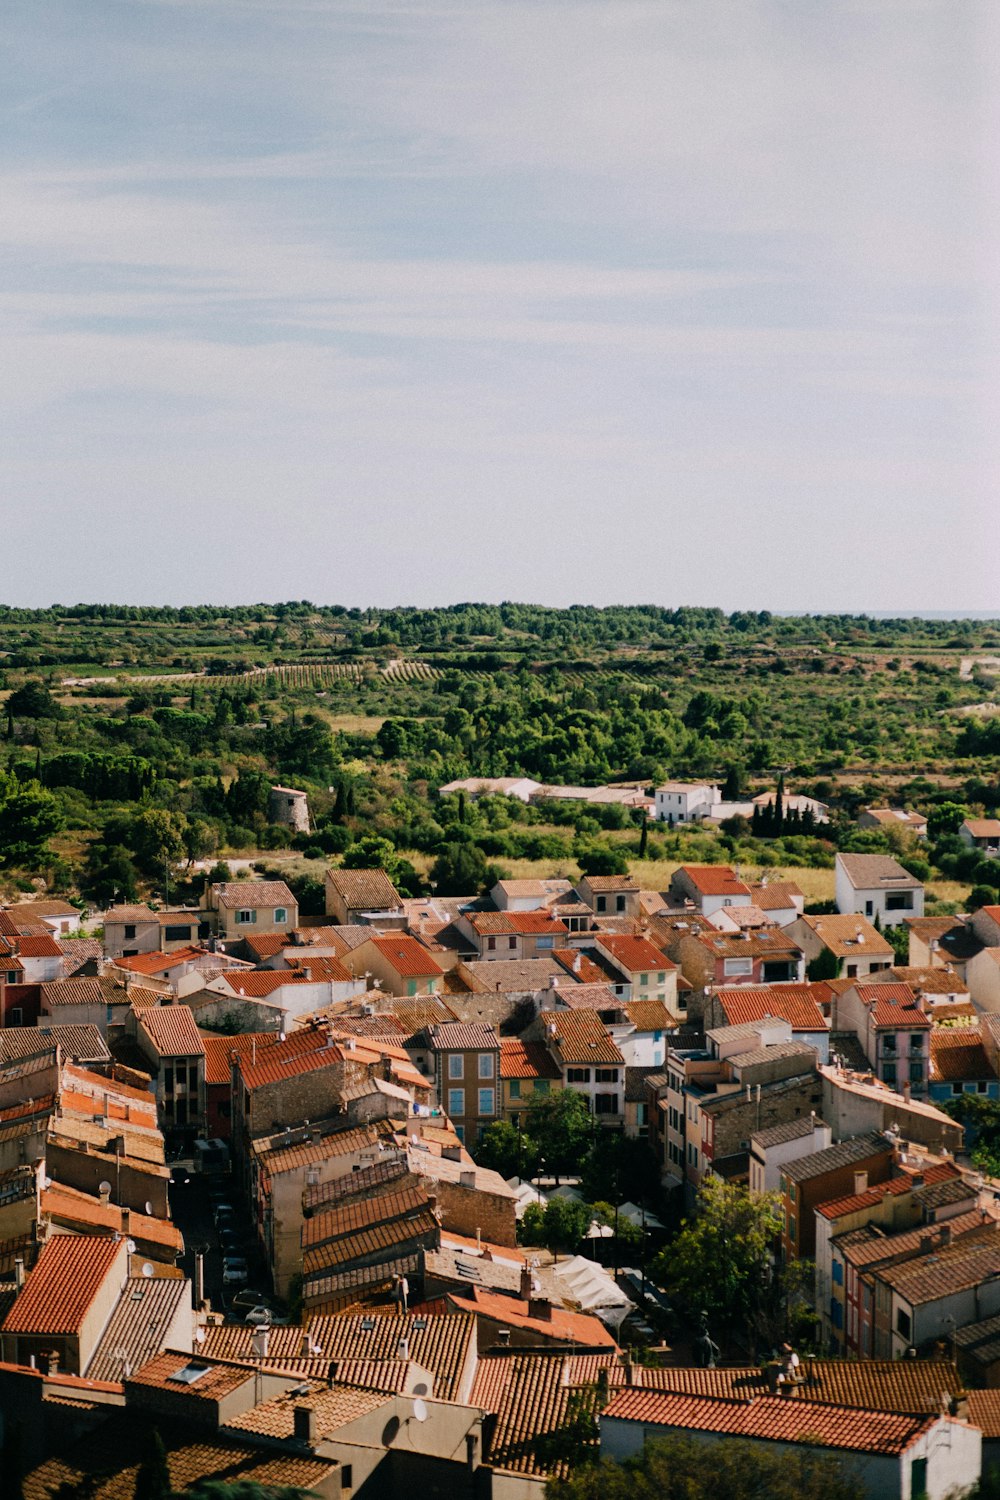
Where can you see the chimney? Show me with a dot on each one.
(538, 1307)
(306, 1426)
(199, 1278)
(627, 1368)
(331, 1375)
(403, 1349)
(126, 1222)
(50, 1362)
(525, 1283)
(906, 1092)
(467, 1179)
(861, 1182)
(105, 1192)
(503, 1337)
(19, 1272)
(946, 1234)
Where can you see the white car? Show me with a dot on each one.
(234, 1271)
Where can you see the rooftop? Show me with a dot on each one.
(843, 1154)
(59, 1292)
(253, 895)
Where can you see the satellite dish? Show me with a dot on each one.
(131, 1247)
(420, 1410)
(104, 1187)
(47, 1183)
(199, 1334)
(147, 1270)
(149, 1207)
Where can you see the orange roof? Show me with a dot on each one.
(257, 984)
(582, 968)
(172, 1031)
(776, 1419)
(579, 1037)
(156, 963)
(636, 954)
(836, 1208)
(520, 1059)
(409, 958)
(893, 1005)
(958, 1055)
(794, 1003)
(715, 880)
(40, 946)
(301, 1052)
(320, 966)
(69, 1206)
(558, 1324)
(67, 1277)
(219, 1051)
(96, 1083)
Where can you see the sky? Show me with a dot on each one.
(567, 301)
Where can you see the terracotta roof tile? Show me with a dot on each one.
(715, 880)
(579, 1037)
(636, 954)
(409, 958)
(520, 1059)
(68, 1275)
(370, 890)
(793, 1003)
(172, 1031)
(254, 895)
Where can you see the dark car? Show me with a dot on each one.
(179, 1176)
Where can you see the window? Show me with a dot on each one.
(918, 1479)
(602, 903)
(606, 1104)
(643, 978)
(515, 1088)
(545, 942)
(456, 1065)
(512, 942)
(177, 934)
(346, 1477)
(606, 1075)
(903, 1325)
(661, 978)
(456, 1102)
(15, 1017)
(852, 971)
(738, 966)
(486, 1064)
(129, 930)
(619, 903)
(411, 986)
(982, 1087)
(245, 918)
(837, 1314)
(280, 915)
(916, 1072)
(491, 943)
(838, 1273)
(889, 1074)
(956, 1088)
(792, 1229)
(869, 908)
(577, 1075)
(541, 1086)
(487, 1101)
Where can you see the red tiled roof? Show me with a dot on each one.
(580, 966)
(775, 1419)
(60, 1290)
(157, 963)
(258, 984)
(579, 1037)
(958, 1056)
(301, 1052)
(253, 895)
(462, 1036)
(715, 880)
(792, 1003)
(38, 946)
(636, 954)
(172, 1031)
(68, 1206)
(893, 1005)
(520, 1059)
(559, 1325)
(219, 1050)
(851, 1203)
(409, 958)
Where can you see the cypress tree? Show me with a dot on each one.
(152, 1480)
(643, 837)
(779, 808)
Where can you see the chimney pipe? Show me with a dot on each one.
(199, 1279)
(861, 1182)
(306, 1427)
(19, 1272)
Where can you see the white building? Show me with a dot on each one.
(684, 802)
(876, 885)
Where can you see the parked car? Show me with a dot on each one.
(224, 1213)
(259, 1315)
(246, 1299)
(235, 1271)
(179, 1176)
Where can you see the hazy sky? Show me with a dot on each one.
(673, 301)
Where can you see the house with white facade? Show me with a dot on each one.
(684, 802)
(876, 885)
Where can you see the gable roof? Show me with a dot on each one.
(525, 1059)
(58, 1293)
(578, 1036)
(842, 1154)
(172, 1031)
(958, 1056)
(877, 872)
(253, 895)
(794, 1003)
(409, 958)
(714, 880)
(636, 954)
(849, 935)
(462, 1036)
(365, 890)
(775, 1419)
(892, 1006)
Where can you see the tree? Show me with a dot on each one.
(561, 1123)
(560, 1225)
(156, 837)
(507, 1150)
(980, 895)
(463, 870)
(371, 853)
(152, 1480)
(29, 815)
(33, 701)
(945, 819)
(824, 966)
(721, 1260)
(679, 1467)
(601, 859)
